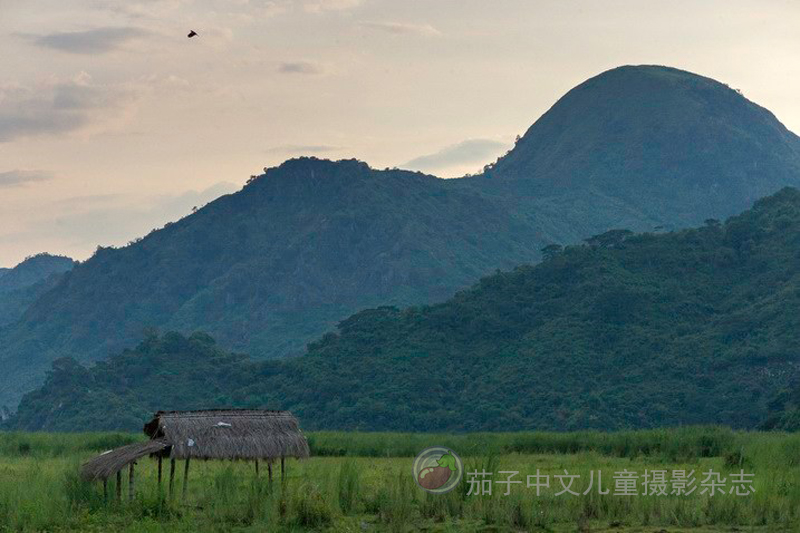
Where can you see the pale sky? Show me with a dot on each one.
(112, 122)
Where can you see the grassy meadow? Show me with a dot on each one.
(362, 482)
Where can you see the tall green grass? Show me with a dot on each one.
(670, 443)
(367, 485)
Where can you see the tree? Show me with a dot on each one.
(609, 239)
(551, 250)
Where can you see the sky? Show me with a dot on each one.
(113, 122)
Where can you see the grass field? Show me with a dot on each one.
(363, 482)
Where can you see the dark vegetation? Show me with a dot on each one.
(370, 487)
(625, 331)
(784, 410)
(21, 285)
(307, 244)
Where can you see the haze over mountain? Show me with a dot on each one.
(626, 331)
(21, 285)
(275, 265)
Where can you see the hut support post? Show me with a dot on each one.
(256, 467)
(131, 489)
(185, 478)
(171, 476)
(269, 470)
(105, 490)
(283, 470)
(119, 485)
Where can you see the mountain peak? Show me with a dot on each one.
(33, 269)
(639, 132)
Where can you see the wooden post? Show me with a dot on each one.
(119, 485)
(131, 489)
(105, 490)
(185, 478)
(256, 467)
(283, 470)
(269, 469)
(171, 476)
(159, 474)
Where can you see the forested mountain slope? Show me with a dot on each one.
(688, 327)
(21, 285)
(308, 243)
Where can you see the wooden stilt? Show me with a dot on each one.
(119, 485)
(159, 474)
(256, 467)
(105, 490)
(269, 469)
(283, 470)
(171, 476)
(185, 478)
(131, 488)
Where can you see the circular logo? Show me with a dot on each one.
(437, 469)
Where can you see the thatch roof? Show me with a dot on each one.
(229, 434)
(109, 463)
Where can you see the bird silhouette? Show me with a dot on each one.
(192, 34)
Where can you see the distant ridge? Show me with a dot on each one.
(698, 326)
(275, 265)
(22, 285)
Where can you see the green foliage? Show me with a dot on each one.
(691, 327)
(276, 265)
(348, 482)
(22, 285)
(310, 507)
(42, 492)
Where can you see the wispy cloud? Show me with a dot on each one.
(471, 151)
(94, 41)
(16, 177)
(399, 28)
(57, 107)
(301, 67)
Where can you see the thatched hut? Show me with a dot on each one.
(234, 434)
(248, 434)
(111, 462)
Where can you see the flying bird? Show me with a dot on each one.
(192, 34)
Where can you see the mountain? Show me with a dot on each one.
(308, 243)
(653, 145)
(273, 266)
(22, 285)
(624, 331)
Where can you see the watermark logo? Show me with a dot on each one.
(438, 470)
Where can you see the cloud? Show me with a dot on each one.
(58, 107)
(399, 28)
(321, 6)
(303, 149)
(471, 151)
(301, 67)
(95, 41)
(12, 178)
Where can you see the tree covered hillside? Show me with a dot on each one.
(652, 143)
(273, 266)
(696, 326)
(22, 285)
(302, 247)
